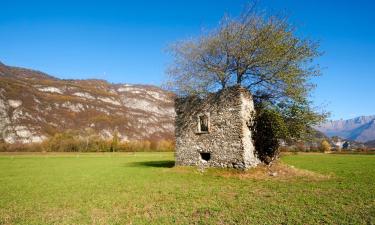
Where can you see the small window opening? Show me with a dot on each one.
(206, 156)
(203, 123)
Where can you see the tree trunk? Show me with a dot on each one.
(239, 79)
(223, 84)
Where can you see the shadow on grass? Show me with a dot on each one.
(160, 164)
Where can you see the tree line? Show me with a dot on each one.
(73, 141)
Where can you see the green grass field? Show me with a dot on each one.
(144, 188)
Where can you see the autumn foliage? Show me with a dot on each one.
(72, 142)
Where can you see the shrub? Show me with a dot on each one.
(269, 128)
(63, 142)
(325, 146)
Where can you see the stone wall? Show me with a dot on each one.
(229, 138)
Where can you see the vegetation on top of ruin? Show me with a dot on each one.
(262, 53)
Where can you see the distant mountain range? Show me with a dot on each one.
(370, 144)
(360, 129)
(35, 106)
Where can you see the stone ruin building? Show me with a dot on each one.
(215, 131)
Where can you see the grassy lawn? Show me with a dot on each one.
(144, 188)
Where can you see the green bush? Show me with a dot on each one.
(269, 128)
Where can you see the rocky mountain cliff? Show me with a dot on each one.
(361, 129)
(34, 106)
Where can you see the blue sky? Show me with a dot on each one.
(125, 41)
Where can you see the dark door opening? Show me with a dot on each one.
(206, 156)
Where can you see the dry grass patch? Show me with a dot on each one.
(277, 171)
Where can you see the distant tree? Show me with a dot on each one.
(89, 136)
(325, 146)
(259, 52)
(64, 142)
(115, 141)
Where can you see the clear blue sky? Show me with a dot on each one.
(125, 41)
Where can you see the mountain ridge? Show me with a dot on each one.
(360, 129)
(35, 105)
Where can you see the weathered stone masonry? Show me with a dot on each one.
(227, 141)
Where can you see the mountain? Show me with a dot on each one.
(360, 129)
(370, 144)
(35, 105)
(314, 143)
